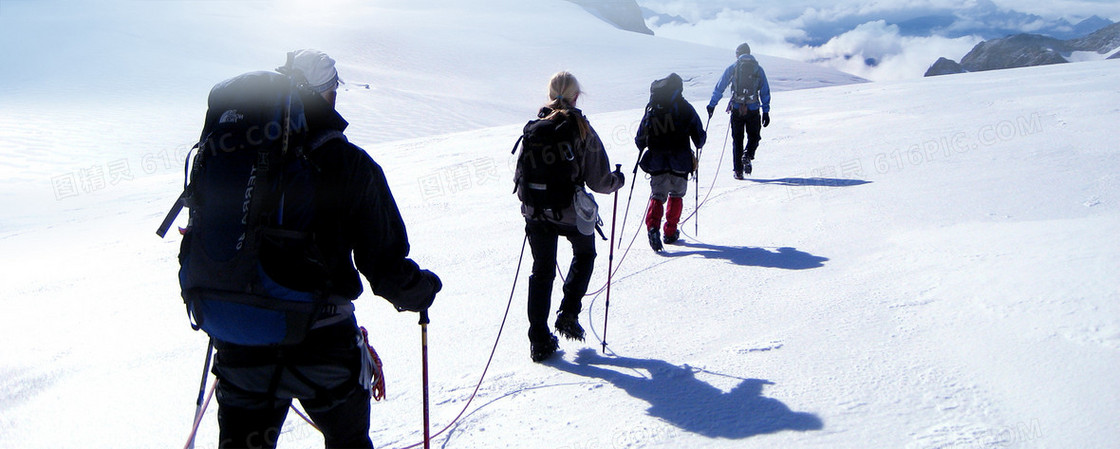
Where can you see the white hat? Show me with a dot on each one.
(315, 67)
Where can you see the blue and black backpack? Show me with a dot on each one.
(250, 270)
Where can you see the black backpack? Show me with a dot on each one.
(663, 93)
(548, 164)
(250, 270)
(662, 109)
(744, 84)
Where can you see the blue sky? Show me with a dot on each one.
(900, 38)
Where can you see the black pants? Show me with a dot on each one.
(256, 386)
(746, 122)
(543, 238)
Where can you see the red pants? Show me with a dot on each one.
(672, 214)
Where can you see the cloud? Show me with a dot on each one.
(873, 50)
(728, 28)
(831, 11)
(876, 40)
(876, 51)
(1072, 10)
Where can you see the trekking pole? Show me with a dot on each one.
(699, 152)
(696, 191)
(424, 365)
(610, 261)
(633, 179)
(201, 394)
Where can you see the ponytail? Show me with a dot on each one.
(563, 89)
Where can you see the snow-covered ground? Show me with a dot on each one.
(921, 264)
(1082, 56)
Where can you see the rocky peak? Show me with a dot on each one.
(944, 66)
(1026, 50)
(1101, 41)
(1020, 50)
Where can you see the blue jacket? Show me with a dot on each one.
(725, 82)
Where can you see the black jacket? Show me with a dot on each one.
(357, 215)
(666, 132)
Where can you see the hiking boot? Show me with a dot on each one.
(655, 239)
(541, 350)
(747, 166)
(567, 324)
(739, 175)
(672, 238)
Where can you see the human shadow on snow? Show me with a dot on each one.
(785, 258)
(676, 396)
(812, 182)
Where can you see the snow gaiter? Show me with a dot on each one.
(673, 214)
(653, 214)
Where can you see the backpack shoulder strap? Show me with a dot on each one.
(524, 130)
(172, 214)
(180, 202)
(321, 139)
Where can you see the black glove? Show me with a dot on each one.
(418, 296)
(711, 110)
(621, 177)
(765, 119)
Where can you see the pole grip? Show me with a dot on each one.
(424, 317)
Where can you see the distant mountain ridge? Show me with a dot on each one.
(624, 14)
(1027, 50)
(1101, 41)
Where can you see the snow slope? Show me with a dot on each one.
(127, 68)
(919, 264)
